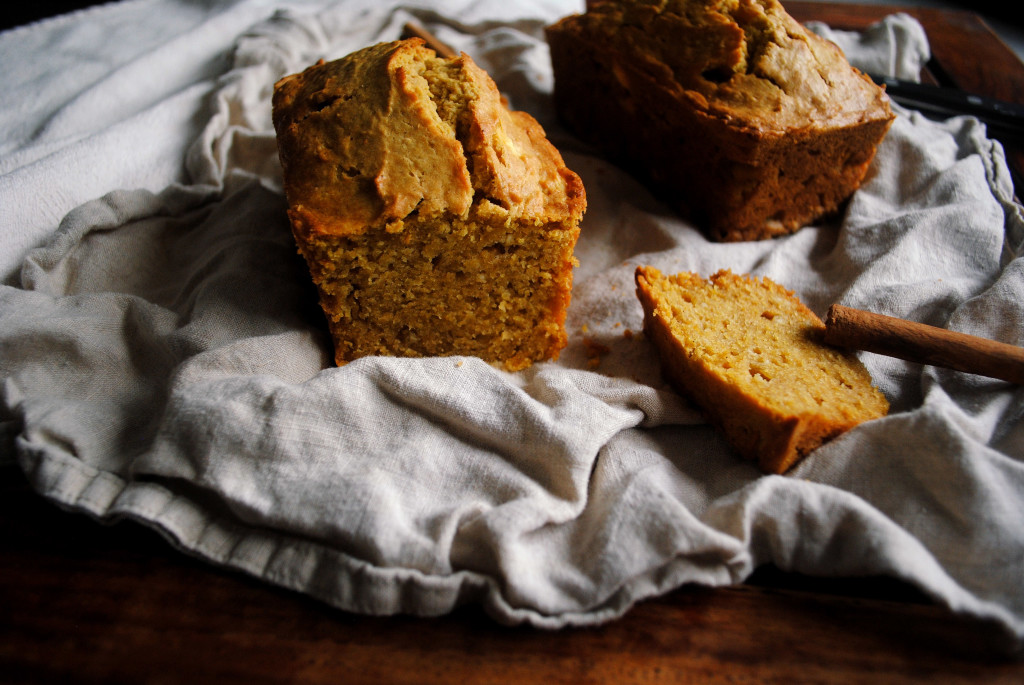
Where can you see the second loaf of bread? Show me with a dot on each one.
(738, 116)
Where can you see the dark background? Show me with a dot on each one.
(25, 11)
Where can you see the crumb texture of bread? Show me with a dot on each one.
(749, 124)
(751, 356)
(434, 220)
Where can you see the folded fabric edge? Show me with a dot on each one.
(348, 584)
(303, 566)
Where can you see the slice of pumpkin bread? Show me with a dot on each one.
(751, 356)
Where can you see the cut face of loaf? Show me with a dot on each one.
(751, 356)
(434, 220)
(731, 111)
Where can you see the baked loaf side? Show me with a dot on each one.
(746, 122)
(751, 356)
(434, 220)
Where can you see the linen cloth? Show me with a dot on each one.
(163, 358)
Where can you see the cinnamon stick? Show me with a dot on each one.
(411, 28)
(923, 344)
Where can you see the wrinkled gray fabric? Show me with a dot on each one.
(895, 47)
(163, 357)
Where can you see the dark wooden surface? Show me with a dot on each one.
(87, 603)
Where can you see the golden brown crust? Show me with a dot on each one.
(747, 122)
(434, 221)
(750, 355)
(343, 179)
(368, 139)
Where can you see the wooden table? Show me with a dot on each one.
(82, 602)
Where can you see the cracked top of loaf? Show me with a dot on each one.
(393, 131)
(741, 60)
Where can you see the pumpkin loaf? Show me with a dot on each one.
(746, 122)
(434, 220)
(750, 355)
